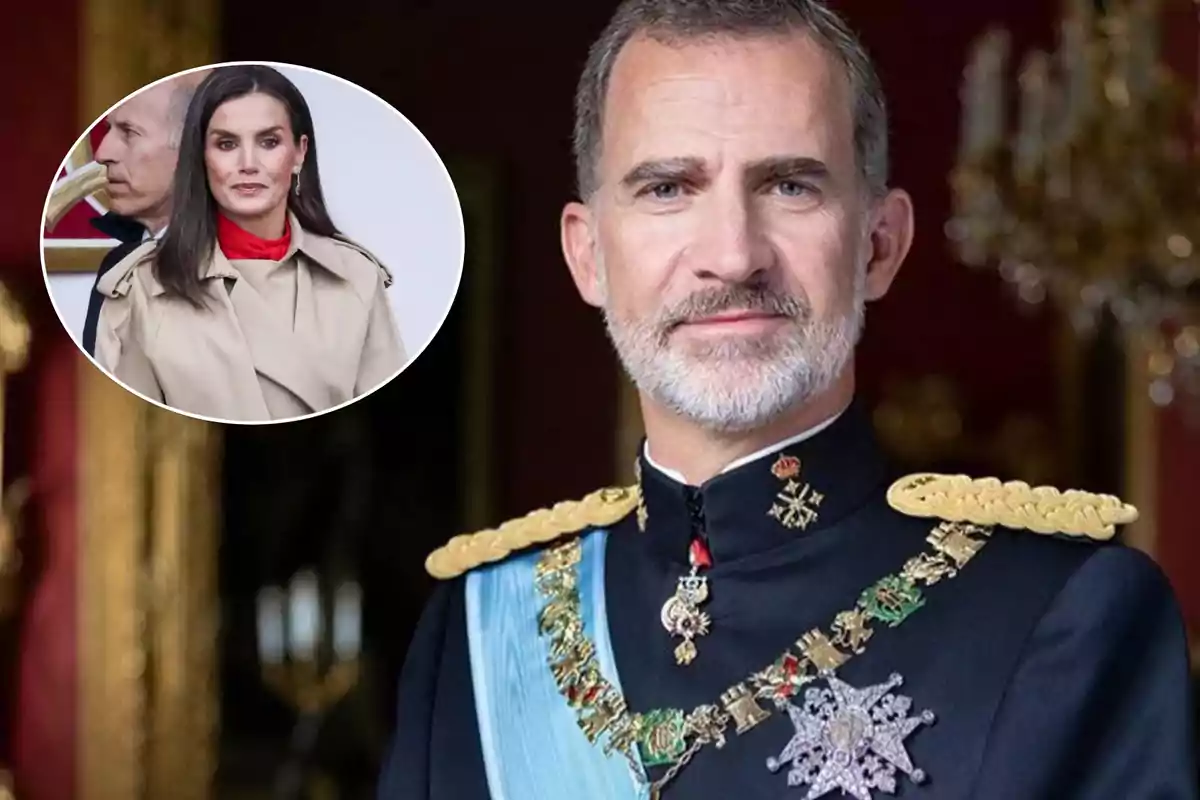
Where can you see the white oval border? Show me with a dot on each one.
(462, 244)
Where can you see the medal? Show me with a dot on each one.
(849, 739)
(681, 614)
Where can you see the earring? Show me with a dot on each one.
(297, 190)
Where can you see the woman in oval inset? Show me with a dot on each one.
(252, 305)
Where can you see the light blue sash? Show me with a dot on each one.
(532, 747)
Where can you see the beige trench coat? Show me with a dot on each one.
(243, 358)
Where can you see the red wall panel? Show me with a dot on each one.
(1178, 546)
(39, 55)
(43, 724)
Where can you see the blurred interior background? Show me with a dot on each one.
(150, 563)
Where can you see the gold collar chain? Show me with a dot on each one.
(671, 736)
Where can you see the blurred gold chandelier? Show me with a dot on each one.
(1094, 200)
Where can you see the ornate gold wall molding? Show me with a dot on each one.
(15, 336)
(183, 607)
(148, 498)
(477, 184)
(1141, 450)
(112, 621)
(148, 598)
(630, 429)
(129, 43)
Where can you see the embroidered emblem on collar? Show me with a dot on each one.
(796, 504)
(786, 467)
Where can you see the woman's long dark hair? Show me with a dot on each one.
(192, 232)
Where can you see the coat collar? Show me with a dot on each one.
(123, 229)
(318, 249)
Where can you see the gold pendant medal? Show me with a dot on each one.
(681, 614)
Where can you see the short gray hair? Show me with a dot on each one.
(671, 21)
(177, 106)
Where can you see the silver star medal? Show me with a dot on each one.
(850, 739)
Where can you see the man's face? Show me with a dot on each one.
(140, 152)
(729, 239)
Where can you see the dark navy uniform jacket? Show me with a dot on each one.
(1057, 668)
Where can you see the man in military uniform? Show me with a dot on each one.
(768, 613)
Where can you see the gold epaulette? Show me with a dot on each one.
(987, 501)
(467, 551)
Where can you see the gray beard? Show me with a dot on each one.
(738, 384)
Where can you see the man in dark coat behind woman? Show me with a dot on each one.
(139, 151)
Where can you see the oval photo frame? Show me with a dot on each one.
(386, 188)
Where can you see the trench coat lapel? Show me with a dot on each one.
(278, 353)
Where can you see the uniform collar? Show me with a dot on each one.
(122, 228)
(766, 451)
(792, 489)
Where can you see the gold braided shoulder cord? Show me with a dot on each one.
(671, 736)
(956, 498)
(468, 551)
(987, 501)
